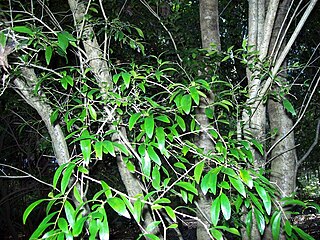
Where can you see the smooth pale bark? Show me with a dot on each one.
(104, 78)
(284, 157)
(25, 89)
(209, 24)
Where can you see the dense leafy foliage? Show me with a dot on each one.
(145, 119)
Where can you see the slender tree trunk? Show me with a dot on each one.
(209, 24)
(104, 79)
(284, 154)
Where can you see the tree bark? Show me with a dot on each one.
(209, 24)
(103, 76)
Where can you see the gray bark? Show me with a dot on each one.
(209, 24)
(101, 70)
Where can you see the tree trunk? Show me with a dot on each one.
(209, 24)
(100, 69)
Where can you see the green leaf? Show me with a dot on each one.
(54, 116)
(77, 195)
(152, 226)
(104, 229)
(302, 234)
(163, 118)
(181, 123)
(48, 54)
(85, 145)
(238, 185)
(70, 213)
(156, 178)
(63, 225)
(195, 95)
(289, 107)
(3, 40)
(43, 226)
(106, 189)
(63, 42)
(126, 78)
(246, 178)
(216, 234)
(66, 177)
(98, 146)
(288, 228)
(215, 211)
(92, 112)
(198, 171)
(265, 197)
(153, 155)
(225, 206)
(275, 225)
(209, 181)
(118, 205)
(30, 208)
(149, 126)
(78, 226)
(188, 186)
(160, 135)
(137, 210)
(23, 29)
(93, 229)
(162, 201)
(133, 119)
(171, 213)
(108, 146)
(186, 103)
(260, 221)
(57, 174)
(258, 145)
(256, 202)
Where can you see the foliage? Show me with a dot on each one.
(146, 119)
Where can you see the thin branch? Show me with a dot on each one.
(296, 123)
(27, 175)
(316, 139)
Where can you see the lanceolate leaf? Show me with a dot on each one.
(186, 103)
(225, 206)
(66, 177)
(70, 213)
(48, 54)
(215, 211)
(198, 171)
(260, 220)
(289, 107)
(149, 126)
(118, 205)
(238, 185)
(30, 208)
(160, 135)
(246, 178)
(181, 123)
(195, 95)
(188, 186)
(153, 155)
(171, 213)
(265, 197)
(275, 227)
(85, 145)
(133, 119)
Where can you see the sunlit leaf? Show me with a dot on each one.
(238, 185)
(118, 205)
(225, 206)
(188, 186)
(260, 221)
(215, 211)
(288, 106)
(133, 119)
(85, 145)
(264, 196)
(275, 225)
(246, 178)
(30, 208)
(149, 126)
(198, 171)
(67, 177)
(171, 213)
(186, 103)
(48, 54)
